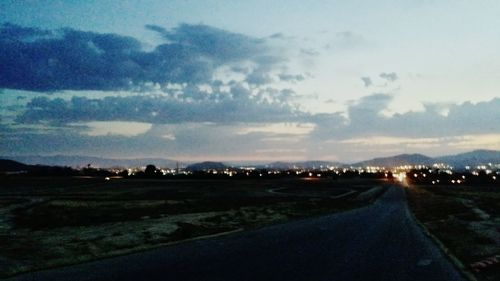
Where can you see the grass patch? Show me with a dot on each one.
(188, 230)
(451, 214)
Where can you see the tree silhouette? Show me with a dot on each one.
(150, 170)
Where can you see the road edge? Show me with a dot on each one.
(14, 276)
(445, 250)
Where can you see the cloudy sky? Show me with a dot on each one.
(249, 80)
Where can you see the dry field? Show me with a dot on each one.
(465, 218)
(47, 222)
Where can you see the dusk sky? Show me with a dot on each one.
(249, 80)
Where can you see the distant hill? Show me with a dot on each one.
(81, 161)
(302, 165)
(206, 166)
(473, 158)
(459, 161)
(398, 160)
(12, 166)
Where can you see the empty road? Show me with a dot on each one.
(377, 242)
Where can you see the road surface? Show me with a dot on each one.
(377, 242)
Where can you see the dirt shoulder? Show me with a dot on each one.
(466, 220)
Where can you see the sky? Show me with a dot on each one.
(249, 80)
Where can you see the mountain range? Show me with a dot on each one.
(97, 162)
(207, 165)
(300, 165)
(459, 161)
(473, 158)
(397, 160)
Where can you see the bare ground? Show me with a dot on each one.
(46, 223)
(466, 219)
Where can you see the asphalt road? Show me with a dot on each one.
(378, 242)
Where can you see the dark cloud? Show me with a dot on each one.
(367, 81)
(368, 106)
(14, 32)
(237, 105)
(309, 52)
(291, 77)
(389, 76)
(68, 59)
(191, 140)
(156, 28)
(214, 43)
(71, 142)
(365, 119)
(278, 35)
(259, 76)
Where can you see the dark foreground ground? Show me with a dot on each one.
(55, 221)
(466, 219)
(377, 242)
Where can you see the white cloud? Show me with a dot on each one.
(117, 128)
(169, 136)
(278, 128)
